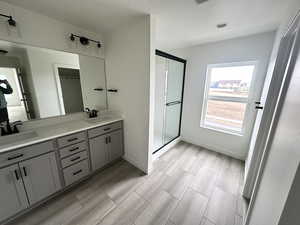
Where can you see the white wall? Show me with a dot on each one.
(45, 89)
(128, 70)
(251, 48)
(290, 214)
(41, 31)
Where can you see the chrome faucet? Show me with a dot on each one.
(10, 128)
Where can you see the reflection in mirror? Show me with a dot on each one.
(38, 83)
(71, 98)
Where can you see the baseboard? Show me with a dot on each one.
(216, 149)
(133, 162)
(165, 149)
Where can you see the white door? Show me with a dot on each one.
(40, 177)
(12, 193)
(264, 117)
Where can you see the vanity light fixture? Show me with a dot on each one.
(3, 52)
(84, 40)
(10, 20)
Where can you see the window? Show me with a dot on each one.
(226, 96)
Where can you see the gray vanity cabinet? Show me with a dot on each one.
(115, 146)
(106, 144)
(12, 195)
(99, 152)
(40, 176)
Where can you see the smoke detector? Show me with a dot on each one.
(200, 1)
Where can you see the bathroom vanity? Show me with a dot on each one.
(54, 158)
(59, 145)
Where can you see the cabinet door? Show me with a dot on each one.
(40, 176)
(115, 148)
(12, 193)
(99, 151)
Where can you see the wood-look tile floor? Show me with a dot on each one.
(189, 185)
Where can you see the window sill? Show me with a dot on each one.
(222, 130)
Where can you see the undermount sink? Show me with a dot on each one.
(9, 139)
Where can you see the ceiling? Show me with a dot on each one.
(179, 23)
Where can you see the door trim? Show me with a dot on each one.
(56, 66)
(169, 56)
(294, 28)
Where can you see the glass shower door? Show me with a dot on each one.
(169, 79)
(174, 91)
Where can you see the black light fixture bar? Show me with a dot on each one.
(10, 20)
(84, 40)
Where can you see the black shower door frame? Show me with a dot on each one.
(169, 56)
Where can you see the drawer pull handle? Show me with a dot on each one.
(74, 159)
(15, 157)
(25, 171)
(74, 149)
(77, 172)
(106, 129)
(72, 139)
(17, 175)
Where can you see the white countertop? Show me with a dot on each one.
(54, 131)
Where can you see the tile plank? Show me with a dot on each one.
(190, 209)
(127, 212)
(221, 208)
(158, 210)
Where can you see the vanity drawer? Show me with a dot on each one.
(71, 139)
(76, 172)
(25, 153)
(104, 129)
(74, 159)
(66, 151)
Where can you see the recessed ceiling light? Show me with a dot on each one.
(221, 25)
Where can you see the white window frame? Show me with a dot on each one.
(246, 100)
